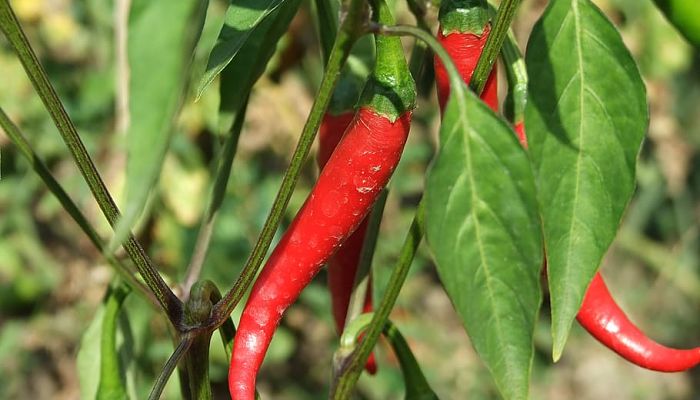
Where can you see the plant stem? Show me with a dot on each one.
(218, 190)
(197, 310)
(417, 387)
(197, 360)
(170, 365)
(504, 17)
(516, 73)
(13, 31)
(227, 331)
(420, 69)
(350, 372)
(427, 37)
(351, 28)
(71, 208)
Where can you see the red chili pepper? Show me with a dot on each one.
(520, 131)
(463, 31)
(353, 177)
(342, 266)
(604, 320)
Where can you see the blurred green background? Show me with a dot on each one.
(52, 280)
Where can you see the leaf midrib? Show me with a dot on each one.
(575, 203)
(507, 358)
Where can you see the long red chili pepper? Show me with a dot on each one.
(604, 320)
(353, 177)
(463, 31)
(342, 266)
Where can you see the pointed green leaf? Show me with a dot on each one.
(585, 118)
(242, 18)
(248, 64)
(162, 37)
(482, 225)
(101, 373)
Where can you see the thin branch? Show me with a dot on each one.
(170, 366)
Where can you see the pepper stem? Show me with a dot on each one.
(516, 73)
(438, 49)
(390, 90)
(463, 16)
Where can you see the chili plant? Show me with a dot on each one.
(519, 197)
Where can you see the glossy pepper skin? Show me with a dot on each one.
(463, 30)
(604, 320)
(342, 266)
(465, 50)
(352, 179)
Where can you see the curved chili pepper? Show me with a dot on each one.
(353, 177)
(342, 266)
(463, 31)
(604, 320)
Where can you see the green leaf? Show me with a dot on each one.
(482, 225)
(101, 371)
(685, 16)
(162, 37)
(585, 119)
(241, 73)
(325, 18)
(242, 18)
